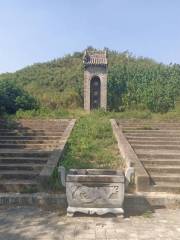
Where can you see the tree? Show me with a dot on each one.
(13, 98)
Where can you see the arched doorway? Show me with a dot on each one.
(95, 92)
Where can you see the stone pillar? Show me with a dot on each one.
(95, 65)
(87, 90)
(103, 78)
(89, 73)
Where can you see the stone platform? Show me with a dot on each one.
(31, 223)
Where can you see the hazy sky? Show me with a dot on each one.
(40, 30)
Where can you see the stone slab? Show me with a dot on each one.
(27, 223)
(91, 211)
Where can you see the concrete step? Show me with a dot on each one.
(43, 121)
(149, 124)
(154, 142)
(155, 131)
(154, 152)
(167, 187)
(31, 133)
(160, 162)
(25, 147)
(155, 146)
(152, 138)
(21, 166)
(22, 160)
(31, 130)
(163, 169)
(30, 138)
(14, 185)
(166, 177)
(153, 134)
(155, 156)
(18, 174)
(37, 126)
(30, 146)
(24, 141)
(153, 127)
(23, 153)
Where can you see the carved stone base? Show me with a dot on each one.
(91, 211)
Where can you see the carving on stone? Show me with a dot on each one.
(95, 191)
(91, 194)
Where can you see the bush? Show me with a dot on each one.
(160, 96)
(13, 98)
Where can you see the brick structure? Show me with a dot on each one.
(95, 80)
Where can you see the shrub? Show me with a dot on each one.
(13, 98)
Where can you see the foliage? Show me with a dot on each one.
(13, 98)
(91, 144)
(133, 82)
(143, 83)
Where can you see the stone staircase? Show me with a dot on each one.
(25, 148)
(157, 145)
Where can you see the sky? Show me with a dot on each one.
(41, 30)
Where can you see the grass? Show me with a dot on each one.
(92, 144)
(148, 214)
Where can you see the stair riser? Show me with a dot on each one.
(152, 131)
(34, 126)
(133, 129)
(161, 163)
(167, 189)
(153, 139)
(166, 179)
(18, 176)
(13, 161)
(30, 154)
(30, 138)
(29, 130)
(164, 143)
(156, 147)
(21, 188)
(51, 142)
(158, 156)
(167, 135)
(30, 134)
(8, 167)
(30, 146)
(149, 124)
(161, 171)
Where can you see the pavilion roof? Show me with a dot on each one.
(95, 58)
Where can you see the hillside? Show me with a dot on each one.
(132, 82)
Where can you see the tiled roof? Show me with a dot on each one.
(95, 58)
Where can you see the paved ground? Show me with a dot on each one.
(30, 223)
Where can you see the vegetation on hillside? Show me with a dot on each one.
(139, 83)
(13, 98)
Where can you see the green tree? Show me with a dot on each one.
(13, 98)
